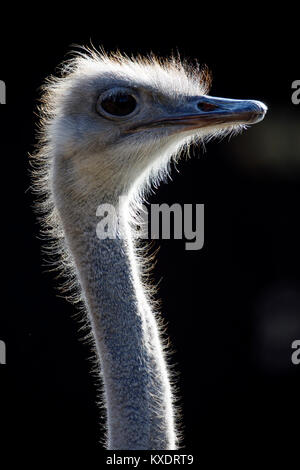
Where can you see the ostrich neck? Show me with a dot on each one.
(136, 386)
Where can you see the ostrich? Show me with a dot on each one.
(110, 125)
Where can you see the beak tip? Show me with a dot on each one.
(262, 107)
(259, 110)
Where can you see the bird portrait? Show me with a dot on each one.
(110, 127)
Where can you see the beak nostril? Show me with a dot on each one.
(206, 107)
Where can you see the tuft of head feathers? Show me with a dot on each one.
(173, 75)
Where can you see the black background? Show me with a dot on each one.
(232, 308)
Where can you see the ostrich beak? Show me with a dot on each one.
(221, 111)
(209, 111)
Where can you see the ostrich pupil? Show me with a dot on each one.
(119, 104)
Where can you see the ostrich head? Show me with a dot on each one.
(116, 121)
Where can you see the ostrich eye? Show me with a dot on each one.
(118, 104)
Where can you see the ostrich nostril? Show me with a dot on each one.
(206, 107)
